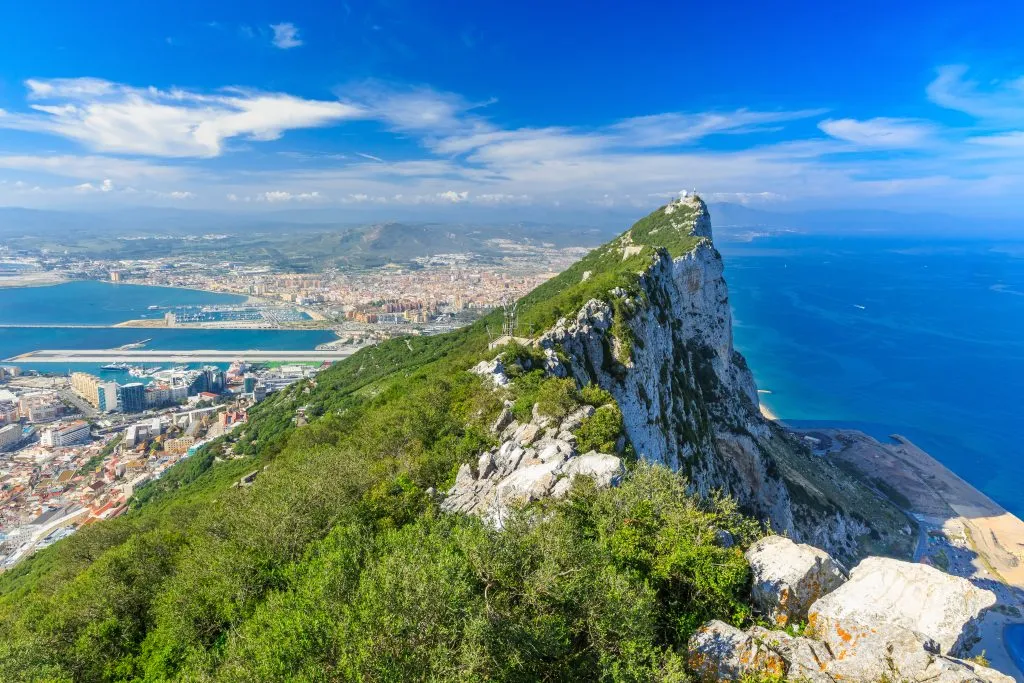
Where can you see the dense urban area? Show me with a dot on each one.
(73, 450)
(75, 447)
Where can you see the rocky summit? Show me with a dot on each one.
(660, 343)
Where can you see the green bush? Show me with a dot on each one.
(595, 396)
(600, 431)
(557, 397)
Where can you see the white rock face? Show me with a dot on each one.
(527, 467)
(789, 577)
(921, 599)
(493, 370)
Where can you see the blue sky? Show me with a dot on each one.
(380, 105)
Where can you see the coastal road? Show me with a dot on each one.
(173, 356)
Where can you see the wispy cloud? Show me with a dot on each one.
(112, 117)
(886, 133)
(286, 35)
(1001, 102)
(453, 150)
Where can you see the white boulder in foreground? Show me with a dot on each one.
(881, 591)
(720, 652)
(891, 621)
(789, 577)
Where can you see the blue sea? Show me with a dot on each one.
(923, 338)
(100, 303)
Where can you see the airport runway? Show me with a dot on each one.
(171, 356)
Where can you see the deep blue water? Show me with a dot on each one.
(1014, 638)
(936, 353)
(104, 304)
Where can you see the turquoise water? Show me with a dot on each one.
(1013, 635)
(923, 339)
(104, 304)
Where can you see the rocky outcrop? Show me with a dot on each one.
(789, 577)
(536, 460)
(891, 620)
(664, 350)
(943, 609)
(720, 652)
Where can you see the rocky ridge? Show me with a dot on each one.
(663, 348)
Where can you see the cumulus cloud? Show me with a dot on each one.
(112, 117)
(286, 35)
(106, 186)
(452, 196)
(880, 132)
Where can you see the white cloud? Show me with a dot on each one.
(452, 196)
(90, 167)
(283, 196)
(111, 117)
(178, 194)
(882, 132)
(286, 35)
(660, 130)
(1001, 102)
(106, 186)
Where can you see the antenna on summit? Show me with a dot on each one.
(510, 304)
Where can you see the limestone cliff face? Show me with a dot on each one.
(689, 400)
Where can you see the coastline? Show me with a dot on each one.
(767, 412)
(960, 529)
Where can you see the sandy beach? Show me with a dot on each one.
(962, 531)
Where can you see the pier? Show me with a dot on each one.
(144, 356)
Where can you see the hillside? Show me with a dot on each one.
(339, 563)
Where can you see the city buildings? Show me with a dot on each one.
(65, 435)
(9, 435)
(132, 397)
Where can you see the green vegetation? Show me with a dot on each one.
(600, 431)
(92, 463)
(338, 565)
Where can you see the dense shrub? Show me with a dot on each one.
(600, 431)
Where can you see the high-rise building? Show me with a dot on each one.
(86, 386)
(107, 397)
(65, 435)
(9, 435)
(132, 397)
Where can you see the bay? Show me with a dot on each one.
(920, 338)
(99, 303)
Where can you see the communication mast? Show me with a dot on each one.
(510, 304)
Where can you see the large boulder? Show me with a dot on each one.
(805, 659)
(788, 577)
(720, 652)
(942, 610)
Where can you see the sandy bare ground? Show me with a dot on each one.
(962, 530)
